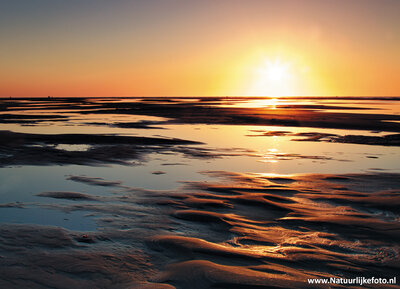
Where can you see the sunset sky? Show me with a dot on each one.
(207, 47)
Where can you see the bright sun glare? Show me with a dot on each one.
(273, 78)
(274, 71)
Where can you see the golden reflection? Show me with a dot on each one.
(271, 156)
(270, 103)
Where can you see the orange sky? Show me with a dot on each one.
(211, 47)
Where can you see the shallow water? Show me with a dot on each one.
(248, 205)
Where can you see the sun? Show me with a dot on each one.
(275, 71)
(273, 77)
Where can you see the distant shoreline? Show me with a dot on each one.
(206, 97)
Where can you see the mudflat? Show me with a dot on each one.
(198, 192)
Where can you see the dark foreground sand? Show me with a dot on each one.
(246, 231)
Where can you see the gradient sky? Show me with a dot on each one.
(205, 47)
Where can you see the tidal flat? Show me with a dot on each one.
(198, 192)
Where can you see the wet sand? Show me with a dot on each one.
(246, 231)
(235, 230)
